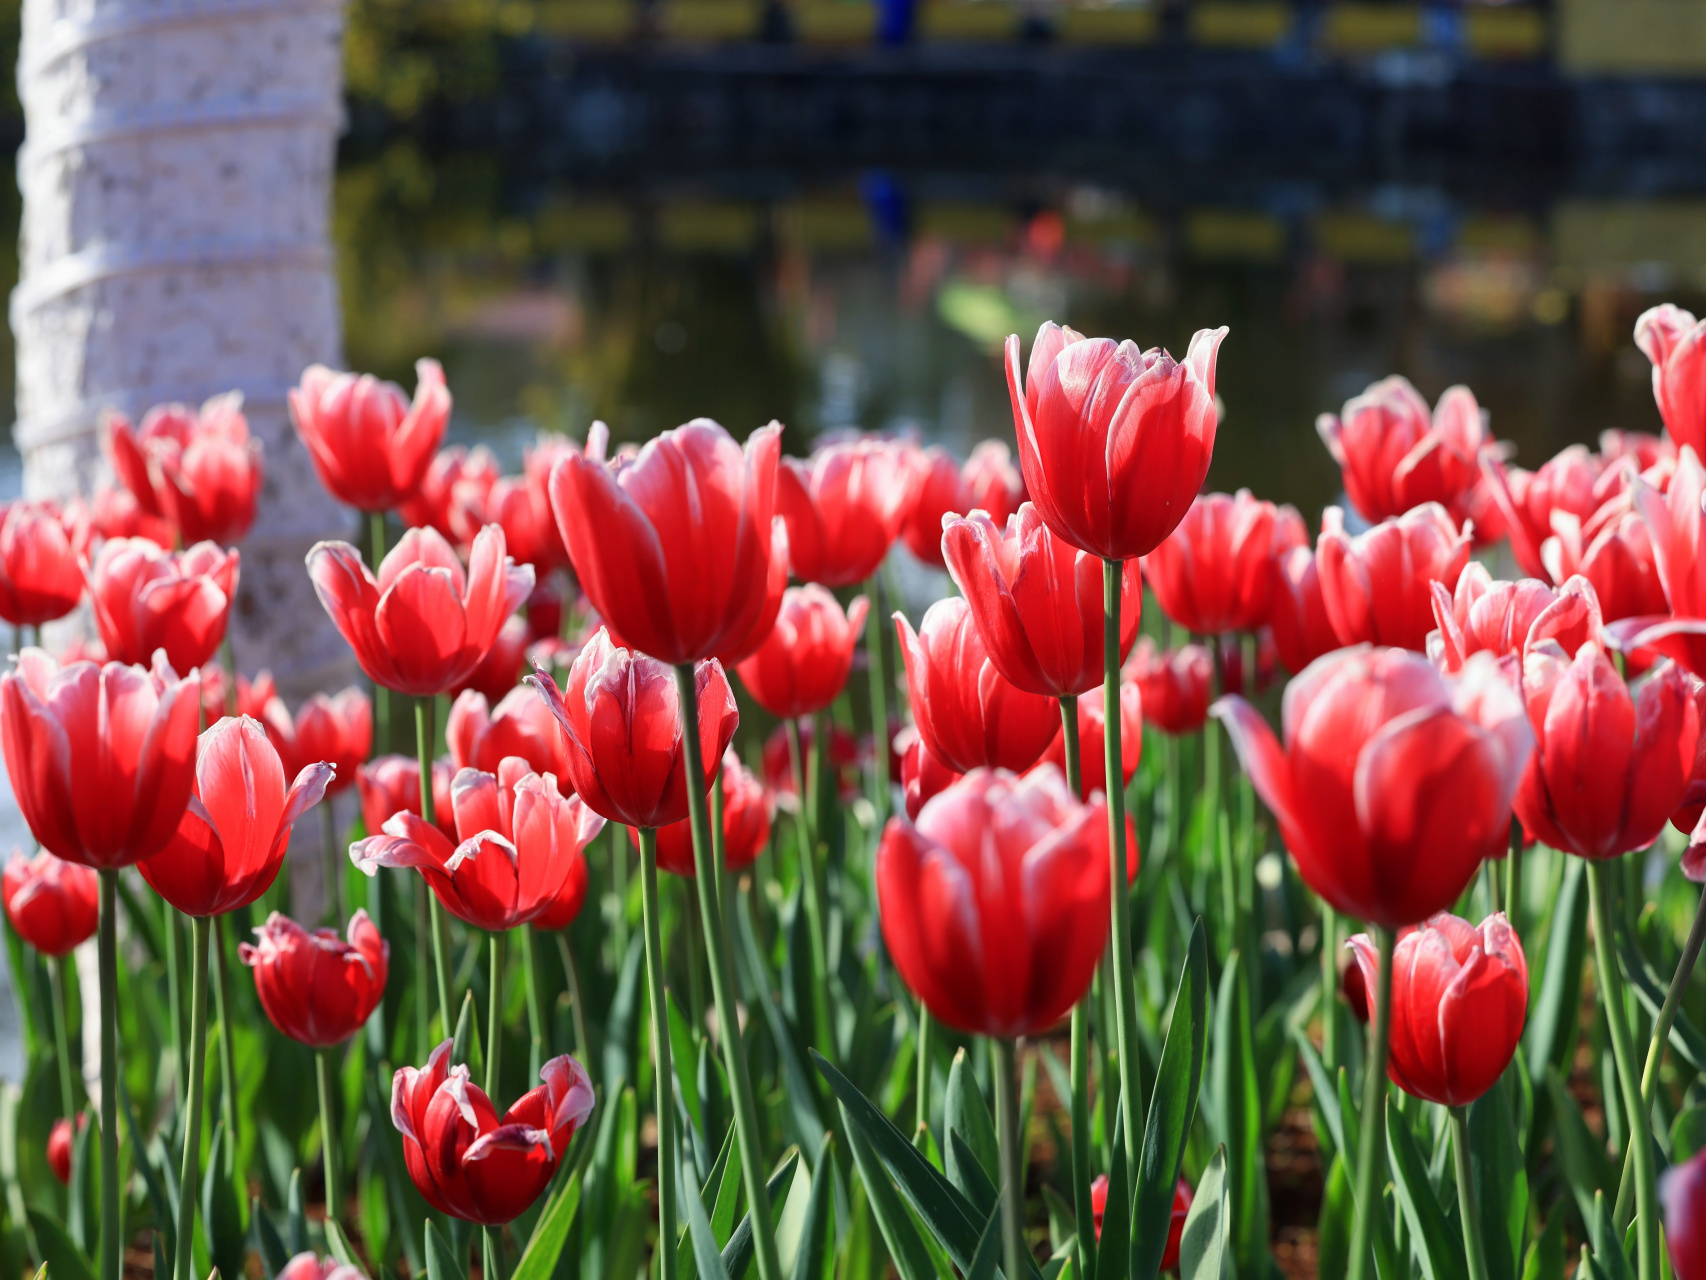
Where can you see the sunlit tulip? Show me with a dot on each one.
(234, 834)
(1182, 1198)
(1175, 685)
(803, 664)
(844, 507)
(1297, 613)
(620, 716)
(336, 729)
(1676, 344)
(41, 576)
(146, 598)
(316, 987)
(1682, 1192)
(1394, 782)
(392, 784)
(921, 774)
(969, 714)
(198, 469)
(1377, 586)
(464, 1158)
(424, 624)
(846, 755)
(1675, 521)
(101, 759)
(1568, 484)
(1505, 618)
(988, 482)
(370, 445)
(746, 824)
(480, 736)
(452, 472)
(53, 904)
(306, 1266)
(1394, 455)
(1614, 551)
(673, 545)
(1036, 601)
(1214, 573)
(1459, 1003)
(995, 904)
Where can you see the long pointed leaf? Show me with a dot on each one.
(737, 1254)
(706, 1255)
(905, 1248)
(1205, 1247)
(812, 1256)
(1432, 1240)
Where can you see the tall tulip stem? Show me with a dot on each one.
(227, 1043)
(201, 929)
(813, 888)
(1125, 990)
(111, 1210)
(1371, 1152)
(1513, 876)
(669, 1167)
(61, 1040)
(577, 1007)
(174, 992)
(1468, 1207)
(535, 1012)
(1330, 989)
(440, 947)
(328, 1134)
(1080, 1035)
(1012, 1157)
(495, 1014)
(879, 703)
(752, 1161)
(334, 906)
(381, 695)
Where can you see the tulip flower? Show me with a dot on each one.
(1214, 573)
(674, 545)
(1683, 1192)
(846, 755)
(198, 470)
(1182, 1199)
(115, 513)
(1114, 442)
(392, 784)
(370, 446)
(621, 721)
(233, 836)
(147, 598)
(1297, 612)
(41, 577)
(1174, 686)
(336, 729)
(563, 909)
(1376, 585)
(498, 672)
(803, 664)
(53, 904)
(747, 811)
(844, 507)
(1568, 485)
(921, 774)
(60, 1140)
(456, 480)
(995, 904)
(425, 624)
(1642, 448)
(519, 841)
(1672, 339)
(1036, 601)
(315, 987)
(1459, 1003)
(305, 1266)
(1394, 782)
(464, 1158)
(968, 713)
(1614, 551)
(1611, 763)
(480, 736)
(101, 759)
(989, 482)
(524, 513)
(1506, 618)
(1395, 456)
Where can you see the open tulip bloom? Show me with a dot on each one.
(146, 598)
(318, 988)
(198, 470)
(370, 445)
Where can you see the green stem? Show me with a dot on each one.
(535, 1013)
(174, 994)
(495, 1015)
(923, 1069)
(875, 621)
(1370, 1173)
(813, 892)
(111, 1210)
(619, 885)
(1080, 1035)
(577, 1010)
(440, 947)
(1330, 990)
(1125, 989)
(61, 1040)
(662, 1067)
(423, 930)
(752, 1160)
(492, 1252)
(381, 695)
(1012, 1158)
(335, 908)
(1469, 1209)
(1513, 876)
(377, 1040)
(328, 1134)
(1623, 1052)
(201, 928)
(227, 1042)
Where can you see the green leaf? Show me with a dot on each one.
(1545, 1259)
(81, 1214)
(1608, 1252)
(737, 1254)
(222, 1214)
(1322, 1086)
(967, 1173)
(812, 1256)
(806, 1124)
(1689, 1044)
(1580, 1154)
(1205, 1247)
(1113, 1251)
(1688, 1135)
(338, 1245)
(441, 1260)
(61, 1257)
(267, 1242)
(1172, 1108)
(1239, 1104)
(1338, 1218)
(296, 1221)
(153, 1183)
(988, 1248)
(967, 1114)
(1501, 1181)
(1554, 1025)
(465, 1046)
(906, 1250)
(684, 1051)
(1439, 1250)
(705, 1254)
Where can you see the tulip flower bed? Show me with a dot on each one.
(1032, 933)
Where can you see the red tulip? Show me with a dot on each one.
(1175, 685)
(41, 577)
(995, 905)
(803, 664)
(392, 784)
(1568, 484)
(500, 670)
(620, 717)
(1614, 551)
(424, 625)
(524, 512)
(479, 737)
(992, 482)
(921, 775)
(844, 507)
(1214, 573)
(101, 759)
(561, 911)
(338, 730)
(370, 446)
(305, 1266)
(747, 811)
(846, 755)
(1394, 456)
(1505, 618)
(1036, 601)
(316, 988)
(1182, 1199)
(1092, 745)
(115, 513)
(1459, 1002)
(1394, 782)
(146, 598)
(1672, 339)
(1640, 447)
(233, 836)
(53, 904)
(674, 545)
(1114, 442)
(199, 470)
(59, 1143)
(989, 482)
(1376, 585)
(967, 712)
(1683, 1193)
(1298, 612)
(1610, 764)
(466, 1160)
(453, 473)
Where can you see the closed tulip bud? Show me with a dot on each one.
(317, 988)
(803, 664)
(995, 905)
(921, 774)
(747, 812)
(989, 482)
(1672, 339)
(1114, 442)
(1505, 618)
(1036, 601)
(1174, 686)
(1297, 612)
(1682, 1191)
(1214, 573)
(1377, 585)
(969, 714)
(433, 504)
(53, 904)
(1393, 782)
(480, 736)
(1182, 1199)
(392, 784)
(41, 577)
(147, 598)
(464, 1158)
(844, 507)
(60, 1140)
(520, 839)
(424, 624)
(620, 716)
(674, 546)
(370, 445)
(234, 833)
(101, 759)
(1459, 1003)
(338, 730)
(305, 1266)
(198, 470)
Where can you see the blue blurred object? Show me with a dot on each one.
(885, 198)
(896, 20)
